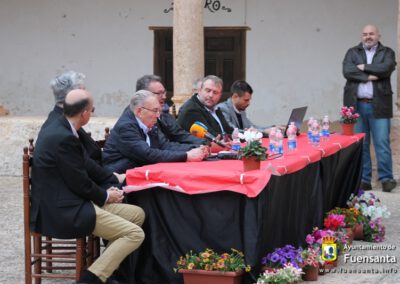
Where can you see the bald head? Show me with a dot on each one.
(370, 36)
(76, 102)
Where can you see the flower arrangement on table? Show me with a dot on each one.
(348, 115)
(254, 147)
(288, 274)
(281, 256)
(371, 207)
(211, 261)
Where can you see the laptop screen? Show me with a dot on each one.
(297, 116)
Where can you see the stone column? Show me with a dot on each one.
(188, 46)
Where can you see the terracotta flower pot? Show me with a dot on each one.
(358, 231)
(268, 268)
(251, 164)
(347, 128)
(210, 277)
(310, 273)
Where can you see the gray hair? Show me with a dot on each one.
(217, 80)
(68, 81)
(138, 99)
(144, 82)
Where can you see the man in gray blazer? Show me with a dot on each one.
(234, 108)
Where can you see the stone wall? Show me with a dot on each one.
(15, 132)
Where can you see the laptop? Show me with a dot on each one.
(297, 116)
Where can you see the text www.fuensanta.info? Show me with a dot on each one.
(341, 270)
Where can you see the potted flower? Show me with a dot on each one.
(373, 212)
(353, 219)
(280, 256)
(310, 263)
(348, 117)
(288, 274)
(334, 222)
(254, 151)
(211, 267)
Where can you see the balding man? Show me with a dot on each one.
(367, 68)
(66, 203)
(134, 142)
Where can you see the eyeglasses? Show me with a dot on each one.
(156, 111)
(162, 93)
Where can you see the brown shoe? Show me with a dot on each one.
(365, 186)
(388, 185)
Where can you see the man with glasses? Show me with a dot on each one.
(134, 141)
(166, 122)
(202, 108)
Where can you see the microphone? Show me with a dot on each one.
(199, 130)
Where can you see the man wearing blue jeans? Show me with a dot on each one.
(367, 68)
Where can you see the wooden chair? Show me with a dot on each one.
(49, 257)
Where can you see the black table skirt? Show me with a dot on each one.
(283, 213)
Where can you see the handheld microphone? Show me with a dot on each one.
(199, 130)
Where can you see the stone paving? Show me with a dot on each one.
(12, 254)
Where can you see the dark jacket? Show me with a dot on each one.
(126, 146)
(62, 192)
(382, 66)
(92, 149)
(99, 174)
(168, 127)
(173, 132)
(194, 111)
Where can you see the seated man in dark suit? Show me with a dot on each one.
(66, 203)
(202, 108)
(234, 108)
(61, 86)
(134, 142)
(166, 123)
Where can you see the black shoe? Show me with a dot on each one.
(89, 278)
(365, 186)
(388, 185)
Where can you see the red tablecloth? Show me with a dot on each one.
(211, 176)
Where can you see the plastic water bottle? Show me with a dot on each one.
(292, 138)
(279, 142)
(272, 136)
(235, 140)
(325, 128)
(309, 132)
(315, 135)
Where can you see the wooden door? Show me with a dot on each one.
(224, 51)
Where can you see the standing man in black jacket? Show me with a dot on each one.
(367, 68)
(66, 203)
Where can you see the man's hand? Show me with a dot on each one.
(115, 195)
(372, 78)
(120, 177)
(361, 67)
(195, 155)
(206, 150)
